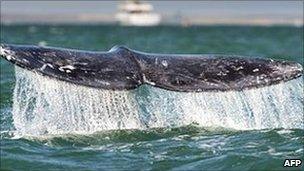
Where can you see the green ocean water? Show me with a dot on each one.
(184, 148)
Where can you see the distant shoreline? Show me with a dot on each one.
(161, 25)
(8, 19)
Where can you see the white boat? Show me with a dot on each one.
(135, 13)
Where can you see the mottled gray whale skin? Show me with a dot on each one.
(122, 68)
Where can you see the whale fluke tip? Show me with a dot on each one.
(119, 48)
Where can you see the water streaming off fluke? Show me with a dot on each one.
(43, 105)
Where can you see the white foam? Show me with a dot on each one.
(43, 105)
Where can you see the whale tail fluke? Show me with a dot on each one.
(122, 68)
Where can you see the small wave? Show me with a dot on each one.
(130, 136)
(212, 136)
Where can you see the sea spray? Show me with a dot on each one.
(42, 105)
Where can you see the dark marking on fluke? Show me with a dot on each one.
(122, 68)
